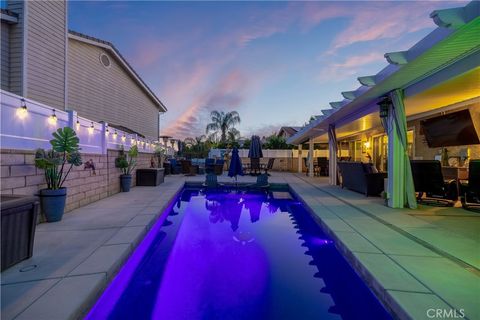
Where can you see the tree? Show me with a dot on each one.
(222, 123)
(275, 142)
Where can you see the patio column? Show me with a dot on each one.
(332, 154)
(401, 191)
(299, 167)
(310, 157)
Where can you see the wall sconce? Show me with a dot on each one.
(124, 138)
(366, 144)
(53, 118)
(115, 135)
(91, 129)
(107, 132)
(77, 124)
(22, 111)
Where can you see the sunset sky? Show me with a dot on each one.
(276, 63)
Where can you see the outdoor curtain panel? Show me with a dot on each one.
(400, 180)
(332, 151)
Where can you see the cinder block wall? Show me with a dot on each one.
(19, 176)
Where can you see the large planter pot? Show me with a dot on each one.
(53, 203)
(125, 182)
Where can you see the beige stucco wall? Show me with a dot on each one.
(46, 47)
(107, 94)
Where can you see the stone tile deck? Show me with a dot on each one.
(413, 260)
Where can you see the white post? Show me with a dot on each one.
(103, 138)
(310, 158)
(299, 169)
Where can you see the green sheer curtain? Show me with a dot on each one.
(400, 180)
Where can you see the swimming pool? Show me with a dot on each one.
(237, 254)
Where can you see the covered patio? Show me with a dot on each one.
(382, 121)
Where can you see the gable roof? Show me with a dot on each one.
(111, 48)
(288, 130)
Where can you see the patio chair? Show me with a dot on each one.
(316, 168)
(428, 180)
(186, 164)
(322, 163)
(175, 166)
(254, 166)
(269, 166)
(470, 191)
(218, 168)
(209, 165)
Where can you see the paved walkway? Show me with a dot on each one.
(414, 260)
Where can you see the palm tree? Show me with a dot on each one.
(233, 134)
(222, 123)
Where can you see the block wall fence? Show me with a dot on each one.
(19, 176)
(22, 133)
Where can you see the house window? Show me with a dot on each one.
(105, 60)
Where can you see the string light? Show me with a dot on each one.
(124, 138)
(132, 141)
(91, 129)
(22, 111)
(115, 135)
(53, 118)
(77, 124)
(106, 131)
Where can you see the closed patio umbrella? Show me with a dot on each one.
(235, 165)
(255, 153)
(255, 150)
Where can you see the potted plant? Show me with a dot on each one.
(56, 165)
(126, 162)
(160, 154)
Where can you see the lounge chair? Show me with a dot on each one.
(428, 180)
(262, 182)
(269, 165)
(470, 191)
(211, 181)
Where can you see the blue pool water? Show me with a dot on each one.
(231, 254)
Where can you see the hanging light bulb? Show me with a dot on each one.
(132, 140)
(77, 124)
(22, 111)
(53, 118)
(124, 138)
(106, 131)
(115, 135)
(91, 129)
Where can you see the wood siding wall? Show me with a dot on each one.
(46, 46)
(5, 56)
(15, 48)
(107, 94)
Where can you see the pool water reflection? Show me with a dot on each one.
(232, 254)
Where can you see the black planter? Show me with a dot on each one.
(19, 219)
(53, 203)
(125, 182)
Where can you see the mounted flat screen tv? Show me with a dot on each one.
(452, 129)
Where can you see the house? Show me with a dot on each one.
(43, 61)
(287, 132)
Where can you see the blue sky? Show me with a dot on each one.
(276, 63)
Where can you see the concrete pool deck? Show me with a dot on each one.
(414, 260)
